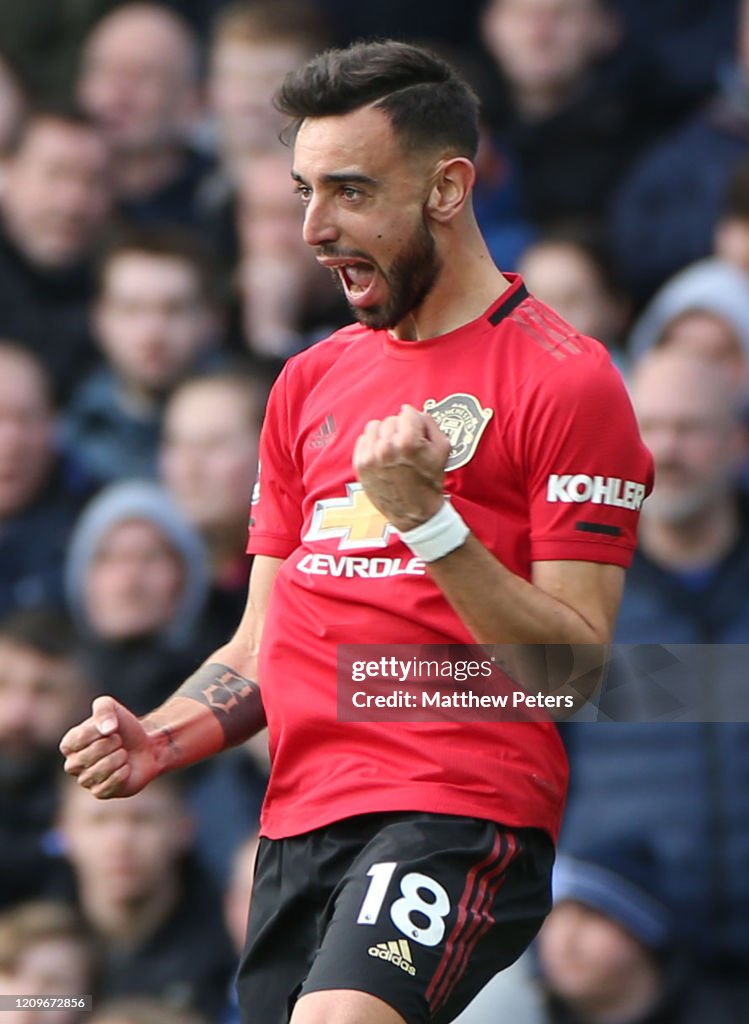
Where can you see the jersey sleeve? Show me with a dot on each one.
(276, 509)
(586, 469)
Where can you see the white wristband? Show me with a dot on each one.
(444, 532)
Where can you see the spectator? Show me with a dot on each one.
(607, 952)
(154, 915)
(43, 40)
(38, 504)
(562, 116)
(209, 462)
(54, 204)
(570, 273)
(692, 527)
(136, 581)
(254, 45)
(42, 690)
(155, 318)
(51, 954)
(666, 210)
(704, 310)
(680, 783)
(139, 79)
(287, 300)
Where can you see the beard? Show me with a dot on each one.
(409, 279)
(680, 497)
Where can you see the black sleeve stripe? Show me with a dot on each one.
(611, 531)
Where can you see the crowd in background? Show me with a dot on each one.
(153, 281)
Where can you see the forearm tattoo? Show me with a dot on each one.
(234, 700)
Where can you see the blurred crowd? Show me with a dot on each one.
(153, 281)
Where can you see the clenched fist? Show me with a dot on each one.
(110, 754)
(400, 462)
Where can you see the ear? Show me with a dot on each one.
(451, 188)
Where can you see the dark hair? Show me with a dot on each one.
(250, 386)
(272, 21)
(68, 114)
(428, 105)
(44, 630)
(592, 242)
(23, 925)
(169, 242)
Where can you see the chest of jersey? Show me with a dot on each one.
(470, 401)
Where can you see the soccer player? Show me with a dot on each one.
(457, 467)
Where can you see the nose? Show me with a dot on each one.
(319, 225)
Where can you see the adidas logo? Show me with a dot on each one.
(398, 953)
(323, 434)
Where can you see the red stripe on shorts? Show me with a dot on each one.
(482, 922)
(471, 904)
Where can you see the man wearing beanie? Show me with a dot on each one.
(607, 954)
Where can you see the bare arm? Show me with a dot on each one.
(400, 461)
(113, 753)
(553, 631)
(566, 601)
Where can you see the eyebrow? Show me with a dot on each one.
(339, 177)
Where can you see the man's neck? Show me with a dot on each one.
(468, 284)
(697, 543)
(130, 923)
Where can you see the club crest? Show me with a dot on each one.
(461, 417)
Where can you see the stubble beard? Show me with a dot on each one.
(409, 279)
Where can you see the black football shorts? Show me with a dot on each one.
(420, 910)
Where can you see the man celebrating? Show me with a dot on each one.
(457, 467)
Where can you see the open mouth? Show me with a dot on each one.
(357, 278)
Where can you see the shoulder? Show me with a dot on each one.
(547, 356)
(306, 368)
(98, 392)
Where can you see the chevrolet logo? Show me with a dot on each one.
(354, 519)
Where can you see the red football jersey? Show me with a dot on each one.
(546, 463)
